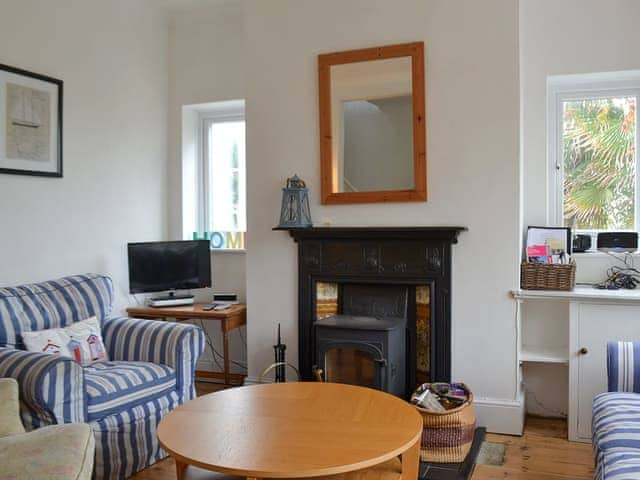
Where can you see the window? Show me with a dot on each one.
(592, 151)
(214, 174)
(224, 181)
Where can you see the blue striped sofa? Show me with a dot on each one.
(616, 415)
(150, 370)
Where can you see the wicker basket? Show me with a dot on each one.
(447, 436)
(547, 276)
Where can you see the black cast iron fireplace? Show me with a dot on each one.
(374, 304)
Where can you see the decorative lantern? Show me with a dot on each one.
(295, 212)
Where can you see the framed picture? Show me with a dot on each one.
(30, 123)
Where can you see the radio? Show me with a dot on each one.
(617, 241)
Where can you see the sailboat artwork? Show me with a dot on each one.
(28, 123)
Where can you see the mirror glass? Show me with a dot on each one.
(372, 125)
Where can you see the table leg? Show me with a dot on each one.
(181, 469)
(225, 346)
(411, 462)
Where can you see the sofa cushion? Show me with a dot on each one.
(619, 466)
(115, 386)
(616, 423)
(58, 452)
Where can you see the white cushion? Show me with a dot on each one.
(81, 341)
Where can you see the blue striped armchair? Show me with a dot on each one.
(150, 370)
(616, 415)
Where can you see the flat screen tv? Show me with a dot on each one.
(161, 266)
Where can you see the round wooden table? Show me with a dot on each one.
(292, 430)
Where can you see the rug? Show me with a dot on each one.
(454, 471)
(491, 453)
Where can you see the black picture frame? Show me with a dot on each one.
(59, 85)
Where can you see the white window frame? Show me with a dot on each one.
(205, 197)
(561, 88)
(219, 112)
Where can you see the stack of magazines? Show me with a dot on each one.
(440, 397)
(548, 245)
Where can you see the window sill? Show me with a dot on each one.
(229, 250)
(598, 254)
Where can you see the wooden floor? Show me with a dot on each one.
(542, 453)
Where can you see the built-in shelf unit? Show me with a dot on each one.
(571, 329)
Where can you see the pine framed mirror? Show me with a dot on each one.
(372, 125)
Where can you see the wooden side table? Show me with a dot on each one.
(230, 319)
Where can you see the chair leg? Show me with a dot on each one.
(411, 462)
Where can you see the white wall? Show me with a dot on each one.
(206, 64)
(560, 37)
(473, 157)
(112, 57)
(564, 37)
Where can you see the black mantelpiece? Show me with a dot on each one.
(382, 255)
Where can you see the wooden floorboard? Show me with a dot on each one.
(542, 453)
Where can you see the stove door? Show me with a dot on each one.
(353, 363)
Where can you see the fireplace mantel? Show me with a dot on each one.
(445, 233)
(383, 255)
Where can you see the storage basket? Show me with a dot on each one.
(447, 436)
(547, 276)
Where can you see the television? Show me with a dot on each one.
(161, 266)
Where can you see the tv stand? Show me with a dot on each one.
(171, 300)
(230, 319)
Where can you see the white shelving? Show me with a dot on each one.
(540, 354)
(579, 293)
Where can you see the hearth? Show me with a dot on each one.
(375, 304)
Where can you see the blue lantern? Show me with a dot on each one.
(295, 212)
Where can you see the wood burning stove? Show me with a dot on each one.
(365, 343)
(365, 351)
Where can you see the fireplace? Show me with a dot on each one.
(375, 304)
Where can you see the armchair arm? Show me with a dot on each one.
(178, 345)
(623, 366)
(51, 387)
(10, 423)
